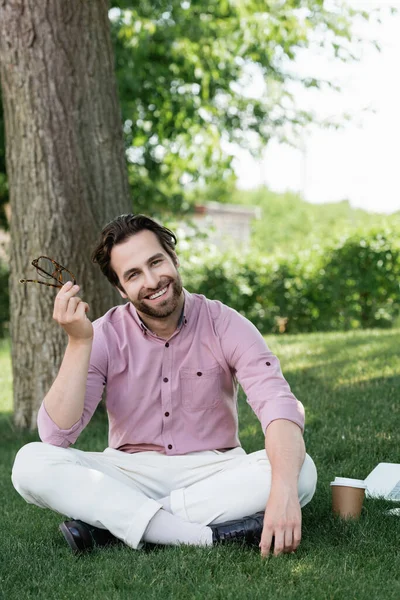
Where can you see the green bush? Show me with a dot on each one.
(353, 284)
(359, 285)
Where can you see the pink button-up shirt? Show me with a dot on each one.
(179, 395)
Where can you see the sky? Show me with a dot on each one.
(361, 161)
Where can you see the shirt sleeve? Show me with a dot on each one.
(258, 371)
(49, 432)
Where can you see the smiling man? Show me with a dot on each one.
(174, 471)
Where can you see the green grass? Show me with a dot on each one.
(349, 384)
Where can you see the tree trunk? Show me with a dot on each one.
(66, 170)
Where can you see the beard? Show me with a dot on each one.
(164, 308)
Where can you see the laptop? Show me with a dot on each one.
(384, 481)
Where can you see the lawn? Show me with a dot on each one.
(349, 384)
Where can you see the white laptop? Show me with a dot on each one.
(384, 481)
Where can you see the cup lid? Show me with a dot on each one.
(348, 482)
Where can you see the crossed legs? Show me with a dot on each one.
(123, 493)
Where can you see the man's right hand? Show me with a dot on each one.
(70, 312)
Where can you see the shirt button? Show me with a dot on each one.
(166, 414)
(167, 345)
(199, 373)
(169, 447)
(268, 364)
(165, 379)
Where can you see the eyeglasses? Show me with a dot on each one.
(50, 269)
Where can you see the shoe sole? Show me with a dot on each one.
(69, 539)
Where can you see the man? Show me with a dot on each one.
(174, 471)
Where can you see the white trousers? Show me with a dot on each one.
(118, 491)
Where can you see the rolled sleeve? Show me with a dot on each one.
(258, 372)
(50, 433)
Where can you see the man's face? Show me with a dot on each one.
(148, 275)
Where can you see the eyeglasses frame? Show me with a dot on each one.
(58, 269)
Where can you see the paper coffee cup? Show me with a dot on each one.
(347, 497)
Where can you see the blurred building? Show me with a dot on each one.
(226, 223)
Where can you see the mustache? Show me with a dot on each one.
(149, 292)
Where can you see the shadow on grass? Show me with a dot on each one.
(351, 428)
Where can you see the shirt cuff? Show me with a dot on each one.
(50, 433)
(282, 411)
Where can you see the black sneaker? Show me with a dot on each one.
(247, 530)
(82, 537)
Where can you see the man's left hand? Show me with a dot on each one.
(282, 522)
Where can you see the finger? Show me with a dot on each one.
(60, 295)
(65, 287)
(279, 542)
(288, 540)
(82, 309)
(61, 300)
(266, 541)
(296, 536)
(72, 305)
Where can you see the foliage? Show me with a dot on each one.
(353, 284)
(186, 73)
(288, 223)
(350, 284)
(360, 282)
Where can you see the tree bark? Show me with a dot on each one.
(66, 169)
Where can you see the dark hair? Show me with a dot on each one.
(119, 230)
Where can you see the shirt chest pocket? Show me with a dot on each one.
(200, 389)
